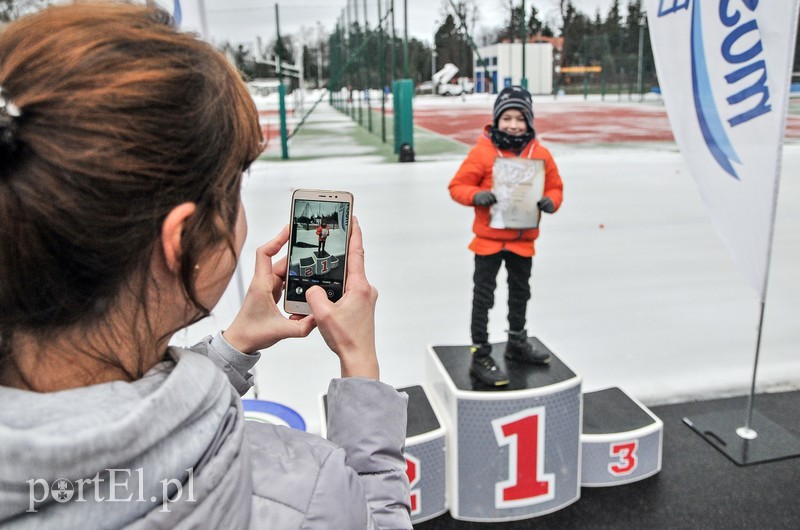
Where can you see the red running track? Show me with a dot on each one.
(569, 123)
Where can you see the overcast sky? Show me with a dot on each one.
(240, 21)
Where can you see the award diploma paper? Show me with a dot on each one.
(518, 186)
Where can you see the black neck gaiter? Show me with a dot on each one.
(508, 142)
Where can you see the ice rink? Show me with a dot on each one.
(631, 285)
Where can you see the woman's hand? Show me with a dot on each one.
(348, 326)
(259, 323)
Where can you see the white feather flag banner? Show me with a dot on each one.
(724, 69)
(189, 15)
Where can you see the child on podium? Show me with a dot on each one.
(322, 236)
(509, 178)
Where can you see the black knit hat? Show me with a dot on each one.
(514, 97)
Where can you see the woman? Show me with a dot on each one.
(122, 146)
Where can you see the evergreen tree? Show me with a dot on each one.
(575, 26)
(510, 31)
(452, 46)
(612, 27)
(242, 61)
(534, 25)
(636, 24)
(309, 64)
(283, 48)
(631, 32)
(419, 61)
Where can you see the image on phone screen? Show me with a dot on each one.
(318, 248)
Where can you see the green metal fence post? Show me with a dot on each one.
(369, 77)
(382, 74)
(404, 119)
(281, 91)
(394, 44)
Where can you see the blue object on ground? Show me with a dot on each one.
(271, 412)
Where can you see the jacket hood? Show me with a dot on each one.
(105, 455)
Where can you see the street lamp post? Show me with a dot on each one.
(524, 80)
(641, 59)
(433, 64)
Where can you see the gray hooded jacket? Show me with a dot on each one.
(172, 450)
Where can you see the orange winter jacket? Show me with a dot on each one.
(475, 174)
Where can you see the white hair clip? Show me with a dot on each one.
(7, 106)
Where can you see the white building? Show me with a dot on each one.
(504, 63)
(263, 86)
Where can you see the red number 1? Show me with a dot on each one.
(527, 482)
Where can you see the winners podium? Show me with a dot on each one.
(519, 451)
(319, 263)
(512, 453)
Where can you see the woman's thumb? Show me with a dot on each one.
(316, 298)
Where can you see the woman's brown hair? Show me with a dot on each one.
(121, 118)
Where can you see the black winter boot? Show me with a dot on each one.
(483, 367)
(519, 349)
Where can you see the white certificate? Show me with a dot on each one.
(518, 186)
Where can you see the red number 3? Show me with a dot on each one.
(628, 460)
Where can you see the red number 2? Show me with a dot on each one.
(527, 482)
(413, 472)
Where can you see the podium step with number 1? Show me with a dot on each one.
(512, 453)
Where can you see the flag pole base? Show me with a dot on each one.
(765, 441)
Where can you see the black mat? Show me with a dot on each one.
(697, 487)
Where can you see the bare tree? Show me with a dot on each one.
(466, 10)
(13, 9)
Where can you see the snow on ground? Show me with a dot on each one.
(631, 285)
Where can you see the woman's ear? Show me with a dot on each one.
(172, 234)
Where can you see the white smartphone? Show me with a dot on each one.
(318, 242)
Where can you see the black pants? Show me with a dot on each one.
(321, 245)
(485, 282)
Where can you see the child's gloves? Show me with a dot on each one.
(484, 198)
(545, 204)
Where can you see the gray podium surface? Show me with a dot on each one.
(611, 411)
(456, 361)
(421, 417)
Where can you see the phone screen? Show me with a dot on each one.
(318, 248)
